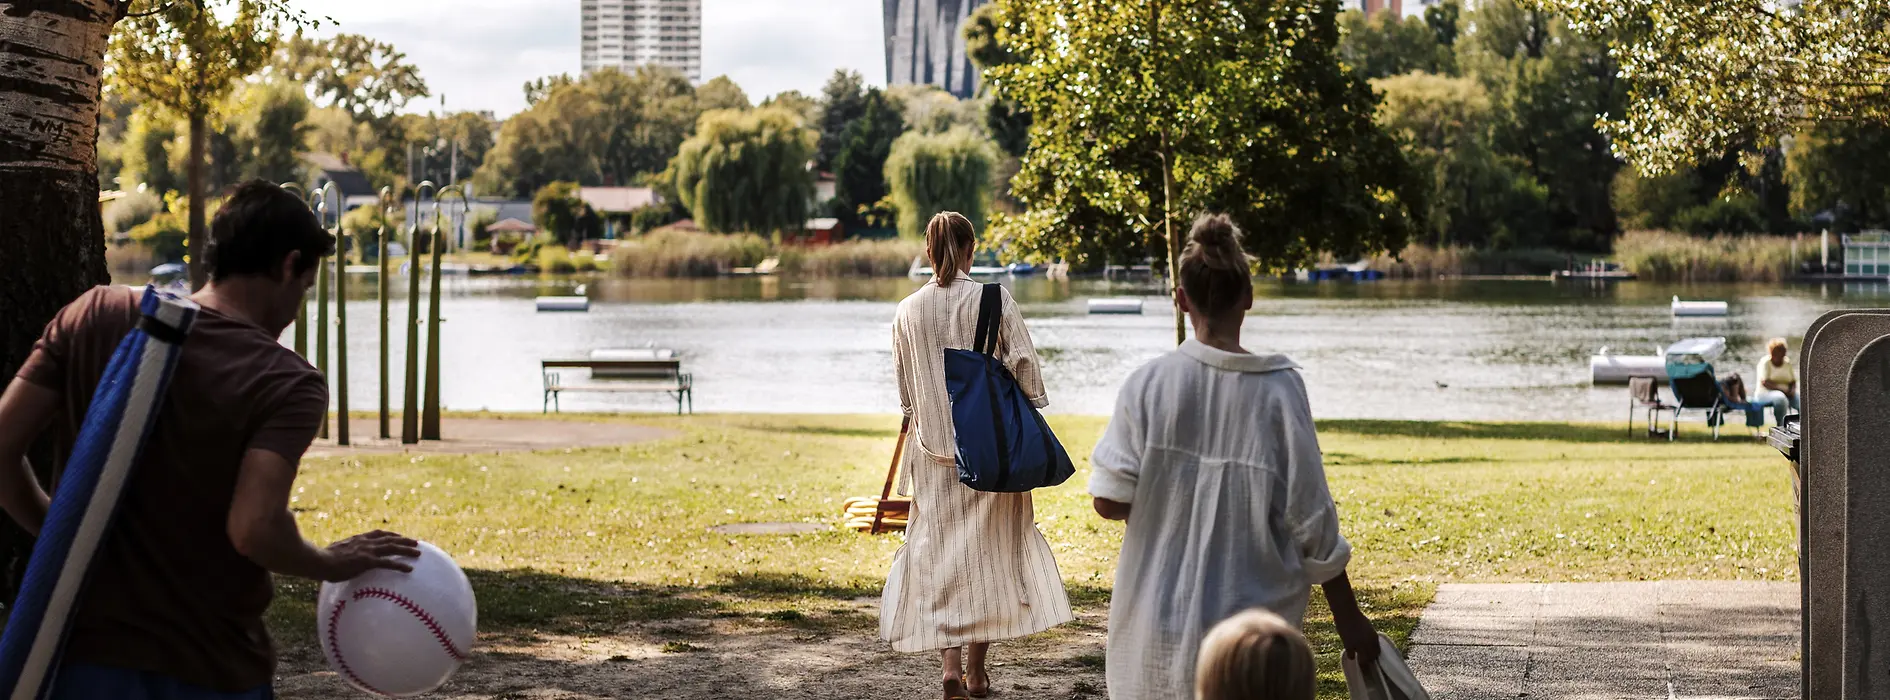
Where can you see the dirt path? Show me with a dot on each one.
(707, 659)
(487, 435)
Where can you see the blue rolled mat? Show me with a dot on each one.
(120, 417)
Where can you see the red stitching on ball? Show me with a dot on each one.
(439, 633)
(334, 647)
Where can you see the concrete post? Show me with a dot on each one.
(1845, 516)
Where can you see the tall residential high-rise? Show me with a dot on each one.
(630, 33)
(925, 43)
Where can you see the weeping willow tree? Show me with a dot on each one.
(930, 173)
(746, 171)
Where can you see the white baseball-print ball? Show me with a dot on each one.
(395, 634)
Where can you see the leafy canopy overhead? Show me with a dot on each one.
(1709, 77)
(1245, 105)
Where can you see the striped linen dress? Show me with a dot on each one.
(974, 568)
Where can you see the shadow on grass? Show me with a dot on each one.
(523, 606)
(1558, 432)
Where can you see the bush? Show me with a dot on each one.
(856, 258)
(687, 254)
(481, 220)
(130, 211)
(1426, 262)
(1736, 214)
(651, 216)
(165, 235)
(558, 260)
(1671, 257)
(931, 173)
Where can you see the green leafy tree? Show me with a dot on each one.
(1443, 19)
(271, 129)
(369, 79)
(721, 93)
(1476, 197)
(842, 101)
(860, 168)
(1712, 77)
(1384, 44)
(146, 153)
(747, 171)
(186, 59)
(1651, 202)
(537, 90)
(988, 44)
(1546, 84)
(610, 127)
(558, 210)
(1147, 113)
(930, 173)
(798, 103)
(1839, 170)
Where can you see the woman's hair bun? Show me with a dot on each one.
(1215, 242)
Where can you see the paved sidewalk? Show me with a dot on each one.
(1609, 641)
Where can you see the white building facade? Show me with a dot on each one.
(630, 33)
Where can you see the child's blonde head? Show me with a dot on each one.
(1254, 655)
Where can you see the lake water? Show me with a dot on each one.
(1450, 350)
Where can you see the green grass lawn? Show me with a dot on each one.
(584, 541)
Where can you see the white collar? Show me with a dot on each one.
(1234, 362)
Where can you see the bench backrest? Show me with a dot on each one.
(621, 368)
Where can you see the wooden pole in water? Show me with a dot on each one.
(410, 410)
(321, 328)
(301, 330)
(387, 432)
(430, 415)
(341, 311)
(301, 314)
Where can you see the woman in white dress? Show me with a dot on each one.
(1212, 459)
(974, 568)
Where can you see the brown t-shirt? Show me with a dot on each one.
(168, 593)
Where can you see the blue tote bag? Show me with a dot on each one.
(1003, 443)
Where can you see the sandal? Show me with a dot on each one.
(955, 690)
(975, 691)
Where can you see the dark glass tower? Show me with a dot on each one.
(925, 43)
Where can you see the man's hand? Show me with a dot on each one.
(365, 552)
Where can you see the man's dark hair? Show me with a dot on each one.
(258, 226)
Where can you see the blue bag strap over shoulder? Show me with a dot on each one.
(990, 314)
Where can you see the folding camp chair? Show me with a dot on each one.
(1697, 390)
(1642, 394)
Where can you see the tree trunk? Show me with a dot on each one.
(52, 242)
(1174, 246)
(199, 135)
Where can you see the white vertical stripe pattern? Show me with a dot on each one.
(974, 567)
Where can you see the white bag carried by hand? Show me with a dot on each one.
(1388, 679)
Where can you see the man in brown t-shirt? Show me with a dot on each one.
(174, 602)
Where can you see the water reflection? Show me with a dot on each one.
(1459, 350)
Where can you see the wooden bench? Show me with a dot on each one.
(664, 375)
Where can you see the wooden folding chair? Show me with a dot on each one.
(887, 505)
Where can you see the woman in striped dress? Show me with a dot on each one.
(974, 569)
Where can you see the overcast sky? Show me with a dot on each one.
(479, 52)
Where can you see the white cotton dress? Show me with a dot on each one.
(974, 568)
(1216, 453)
